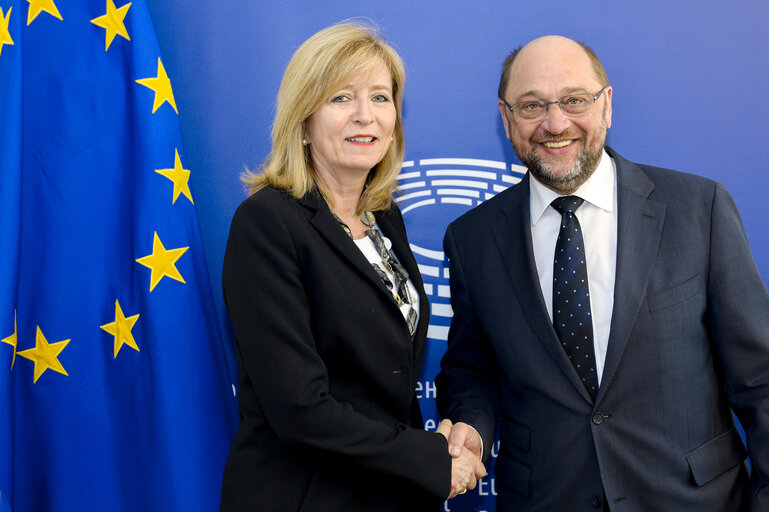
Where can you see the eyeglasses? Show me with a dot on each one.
(572, 105)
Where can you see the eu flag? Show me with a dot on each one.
(114, 389)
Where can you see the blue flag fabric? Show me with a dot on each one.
(114, 387)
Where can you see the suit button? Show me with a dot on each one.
(598, 418)
(597, 502)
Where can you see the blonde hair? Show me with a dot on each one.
(319, 67)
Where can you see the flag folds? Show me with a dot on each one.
(114, 387)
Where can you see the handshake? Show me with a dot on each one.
(465, 449)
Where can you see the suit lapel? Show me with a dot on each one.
(512, 232)
(639, 231)
(403, 252)
(329, 228)
(395, 231)
(324, 221)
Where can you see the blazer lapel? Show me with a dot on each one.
(329, 228)
(395, 231)
(512, 232)
(639, 231)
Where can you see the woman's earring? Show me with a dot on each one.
(305, 142)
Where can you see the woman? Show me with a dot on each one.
(327, 302)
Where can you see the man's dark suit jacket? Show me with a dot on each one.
(689, 338)
(328, 369)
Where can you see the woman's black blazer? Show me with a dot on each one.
(328, 369)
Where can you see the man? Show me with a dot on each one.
(611, 368)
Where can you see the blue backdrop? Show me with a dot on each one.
(689, 93)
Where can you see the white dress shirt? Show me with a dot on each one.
(598, 219)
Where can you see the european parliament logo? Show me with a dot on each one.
(432, 193)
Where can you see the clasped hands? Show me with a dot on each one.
(465, 449)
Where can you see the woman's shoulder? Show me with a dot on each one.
(271, 208)
(391, 213)
(267, 196)
(267, 201)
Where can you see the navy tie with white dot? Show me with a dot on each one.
(571, 295)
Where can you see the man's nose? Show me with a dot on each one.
(555, 121)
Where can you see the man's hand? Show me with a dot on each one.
(463, 435)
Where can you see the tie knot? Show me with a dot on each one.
(567, 204)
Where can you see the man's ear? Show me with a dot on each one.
(607, 110)
(504, 112)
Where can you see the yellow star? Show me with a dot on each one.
(162, 262)
(12, 340)
(162, 87)
(37, 6)
(113, 23)
(121, 329)
(180, 177)
(45, 355)
(5, 35)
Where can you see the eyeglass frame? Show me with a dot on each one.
(548, 103)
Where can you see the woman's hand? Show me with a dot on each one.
(444, 427)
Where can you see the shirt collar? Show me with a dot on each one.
(598, 190)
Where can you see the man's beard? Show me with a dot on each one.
(569, 181)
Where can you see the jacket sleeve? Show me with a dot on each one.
(738, 313)
(468, 381)
(264, 287)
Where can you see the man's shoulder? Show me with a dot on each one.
(490, 209)
(667, 176)
(668, 183)
(663, 184)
